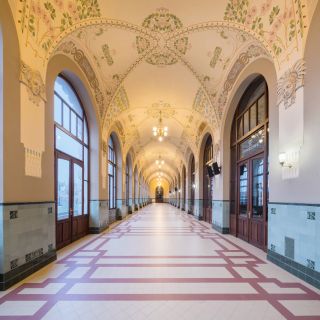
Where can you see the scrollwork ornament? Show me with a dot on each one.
(290, 82)
(34, 83)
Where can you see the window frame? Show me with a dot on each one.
(85, 145)
(112, 177)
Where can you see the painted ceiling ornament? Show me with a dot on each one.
(167, 111)
(33, 80)
(120, 129)
(41, 22)
(290, 82)
(104, 147)
(83, 62)
(119, 104)
(162, 23)
(199, 132)
(202, 105)
(254, 51)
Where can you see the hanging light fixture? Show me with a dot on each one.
(159, 161)
(160, 131)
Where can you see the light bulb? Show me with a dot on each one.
(157, 161)
(154, 134)
(165, 128)
(160, 139)
(154, 129)
(165, 133)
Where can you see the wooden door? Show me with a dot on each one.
(252, 205)
(71, 222)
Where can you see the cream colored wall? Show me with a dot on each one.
(153, 185)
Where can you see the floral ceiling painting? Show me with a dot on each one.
(111, 41)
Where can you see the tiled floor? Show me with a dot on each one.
(161, 264)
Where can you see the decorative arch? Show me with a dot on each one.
(249, 164)
(72, 154)
(205, 181)
(129, 180)
(114, 171)
(267, 69)
(61, 64)
(191, 183)
(136, 187)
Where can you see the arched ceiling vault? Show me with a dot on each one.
(143, 56)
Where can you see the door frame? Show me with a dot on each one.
(248, 219)
(73, 237)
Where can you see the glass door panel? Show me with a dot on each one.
(257, 187)
(77, 190)
(243, 189)
(63, 189)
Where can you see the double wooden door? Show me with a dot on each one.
(71, 222)
(252, 201)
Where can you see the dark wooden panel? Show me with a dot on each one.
(233, 224)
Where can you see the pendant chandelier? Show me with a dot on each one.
(160, 131)
(159, 162)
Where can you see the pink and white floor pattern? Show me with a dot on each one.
(161, 264)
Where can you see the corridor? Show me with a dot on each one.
(161, 263)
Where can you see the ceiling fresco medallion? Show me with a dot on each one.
(162, 24)
(167, 111)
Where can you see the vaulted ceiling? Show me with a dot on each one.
(176, 56)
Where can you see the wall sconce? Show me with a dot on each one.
(193, 186)
(179, 190)
(283, 160)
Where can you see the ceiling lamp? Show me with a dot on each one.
(159, 162)
(160, 131)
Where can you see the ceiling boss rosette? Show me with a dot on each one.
(162, 24)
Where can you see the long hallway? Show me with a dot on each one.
(161, 263)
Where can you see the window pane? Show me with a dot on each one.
(257, 187)
(66, 92)
(57, 110)
(85, 163)
(63, 189)
(77, 190)
(79, 132)
(253, 116)
(240, 127)
(68, 145)
(261, 109)
(252, 145)
(85, 134)
(85, 197)
(246, 122)
(243, 189)
(66, 117)
(73, 123)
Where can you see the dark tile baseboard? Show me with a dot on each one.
(297, 269)
(97, 230)
(12, 277)
(221, 229)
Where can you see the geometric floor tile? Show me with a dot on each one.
(161, 263)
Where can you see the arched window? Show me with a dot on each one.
(127, 182)
(71, 163)
(207, 181)
(184, 182)
(249, 165)
(112, 174)
(193, 181)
